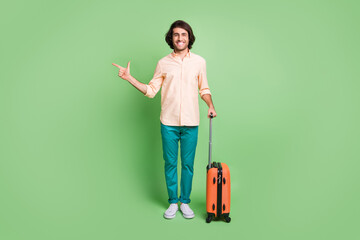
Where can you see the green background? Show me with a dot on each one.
(81, 153)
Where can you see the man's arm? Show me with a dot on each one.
(208, 100)
(149, 90)
(204, 89)
(138, 85)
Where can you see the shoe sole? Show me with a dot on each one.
(189, 216)
(169, 217)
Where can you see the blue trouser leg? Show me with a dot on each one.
(188, 141)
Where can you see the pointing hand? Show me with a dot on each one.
(124, 73)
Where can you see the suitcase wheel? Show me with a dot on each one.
(227, 219)
(210, 217)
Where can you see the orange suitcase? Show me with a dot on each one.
(217, 188)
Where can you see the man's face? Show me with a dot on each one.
(180, 39)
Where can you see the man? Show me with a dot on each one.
(181, 75)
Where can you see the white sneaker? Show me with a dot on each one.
(171, 211)
(186, 210)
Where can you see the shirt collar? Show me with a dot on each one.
(188, 54)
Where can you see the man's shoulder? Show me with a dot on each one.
(197, 57)
(164, 59)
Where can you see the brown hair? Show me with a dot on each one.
(183, 25)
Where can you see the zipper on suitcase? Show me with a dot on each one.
(219, 190)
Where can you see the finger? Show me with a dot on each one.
(117, 66)
(128, 66)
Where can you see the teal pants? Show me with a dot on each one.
(188, 136)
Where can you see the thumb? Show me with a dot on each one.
(128, 66)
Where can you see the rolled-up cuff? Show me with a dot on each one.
(205, 91)
(149, 92)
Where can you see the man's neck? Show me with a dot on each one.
(181, 53)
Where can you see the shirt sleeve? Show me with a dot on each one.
(155, 83)
(203, 83)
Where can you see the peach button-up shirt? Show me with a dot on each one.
(180, 81)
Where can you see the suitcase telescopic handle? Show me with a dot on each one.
(210, 140)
